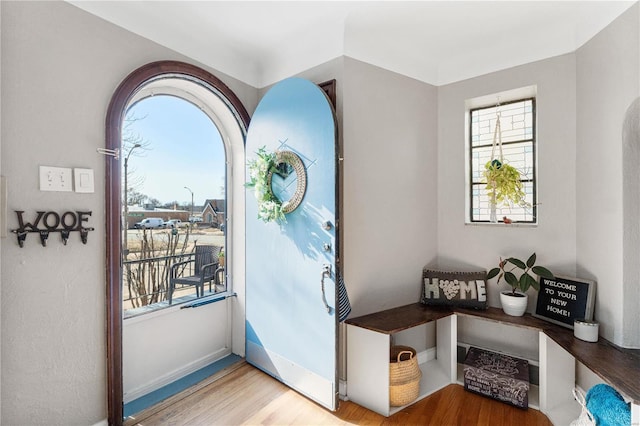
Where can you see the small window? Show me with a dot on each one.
(518, 134)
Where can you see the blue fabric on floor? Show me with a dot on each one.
(178, 386)
(607, 406)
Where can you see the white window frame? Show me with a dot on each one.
(490, 101)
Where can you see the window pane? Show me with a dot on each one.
(518, 155)
(517, 131)
(516, 122)
(481, 211)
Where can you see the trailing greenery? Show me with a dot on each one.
(504, 184)
(526, 280)
(260, 169)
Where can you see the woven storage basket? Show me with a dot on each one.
(404, 376)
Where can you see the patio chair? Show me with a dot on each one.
(204, 269)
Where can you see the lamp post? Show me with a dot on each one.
(189, 189)
(125, 242)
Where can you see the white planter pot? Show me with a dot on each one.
(514, 305)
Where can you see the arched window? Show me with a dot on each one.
(227, 112)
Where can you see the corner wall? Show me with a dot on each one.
(553, 238)
(608, 74)
(60, 67)
(390, 192)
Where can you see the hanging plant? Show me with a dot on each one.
(260, 169)
(504, 184)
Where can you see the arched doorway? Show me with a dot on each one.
(225, 109)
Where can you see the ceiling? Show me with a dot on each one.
(438, 42)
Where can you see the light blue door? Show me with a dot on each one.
(291, 319)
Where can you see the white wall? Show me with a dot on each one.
(60, 67)
(2, 206)
(608, 82)
(390, 193)
(156, 355)
(553, 239)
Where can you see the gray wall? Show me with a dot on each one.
(553, 238)
(390, 198)
(608, 74)
(60, 67)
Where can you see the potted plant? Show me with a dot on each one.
(221, 258)
(514, 302)
(504, 186)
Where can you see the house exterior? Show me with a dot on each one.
(61, 65)
(213, 212)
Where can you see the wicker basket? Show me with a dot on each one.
(404, 376)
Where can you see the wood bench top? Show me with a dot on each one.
(617, 366)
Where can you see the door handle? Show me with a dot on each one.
(326, 272)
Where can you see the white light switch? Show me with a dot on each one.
(55, 179)
(83, 180)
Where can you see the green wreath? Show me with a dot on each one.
(260, 171)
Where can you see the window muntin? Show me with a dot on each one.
(517, 122)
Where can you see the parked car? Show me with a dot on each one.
(194, 219)
(174, 223)
(150, 223)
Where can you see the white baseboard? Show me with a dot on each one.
(427, 355)
(342, 390)
(103, 422)
(172, 376)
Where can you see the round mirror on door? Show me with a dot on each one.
(288, 182)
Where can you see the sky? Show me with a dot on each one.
(181, 147)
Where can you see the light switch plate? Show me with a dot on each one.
(55, 179)
(83, 179)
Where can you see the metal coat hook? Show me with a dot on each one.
(44, 235)
(65, 236)
(22, 235)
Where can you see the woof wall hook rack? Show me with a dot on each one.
(65, 223)
(21, 235)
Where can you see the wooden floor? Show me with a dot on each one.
(248, 396)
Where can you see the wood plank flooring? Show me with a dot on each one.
(247, 396)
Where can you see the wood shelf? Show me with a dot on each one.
(399, 319)
(616, 366)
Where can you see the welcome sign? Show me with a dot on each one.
(563, 300)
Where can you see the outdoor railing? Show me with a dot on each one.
(146, 281)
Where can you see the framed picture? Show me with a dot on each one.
(563, 300)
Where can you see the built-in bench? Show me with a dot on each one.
(369, 338)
